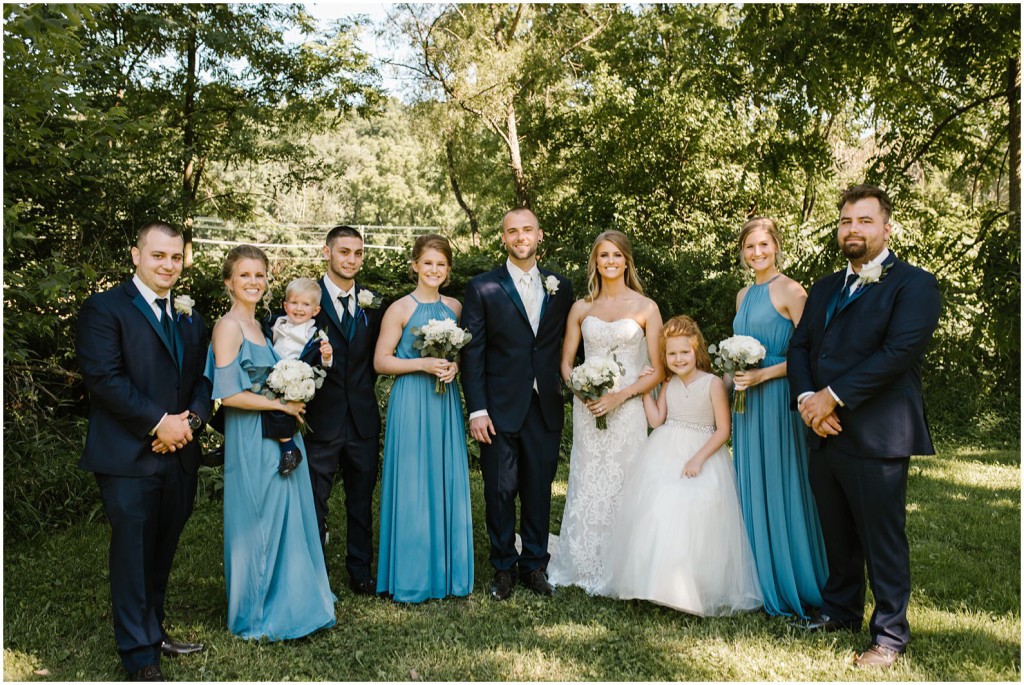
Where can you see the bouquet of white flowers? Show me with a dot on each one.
(441, 338)
(594, 377)
(738, 353)
(292, 380)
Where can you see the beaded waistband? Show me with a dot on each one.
(693, 426)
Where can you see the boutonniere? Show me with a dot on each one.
(321, 335)
(183, 306)
(873, 273)
(367, 300)
(551, 285)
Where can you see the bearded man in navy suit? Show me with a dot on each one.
(854, 368)
(142, 363)
(343, 417)
(510, 376)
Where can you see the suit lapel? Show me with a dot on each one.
(886, 266)
(179, 339)
(328, 308)
(505, 280)
(147, 311)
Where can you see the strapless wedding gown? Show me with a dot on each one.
(600, 462)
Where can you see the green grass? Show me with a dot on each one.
(964, 528)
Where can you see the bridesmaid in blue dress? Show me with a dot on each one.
(274, 565)
(769, 441)
(426, 526)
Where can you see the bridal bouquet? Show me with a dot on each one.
(738, 353)
(441, 338)
(593, 378)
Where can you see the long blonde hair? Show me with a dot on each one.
(619, 240)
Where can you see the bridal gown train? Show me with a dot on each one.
(600, 462)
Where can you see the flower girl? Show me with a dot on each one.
(680, 539)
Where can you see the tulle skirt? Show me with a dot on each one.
(681, 541)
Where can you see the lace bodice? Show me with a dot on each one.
(622, 337)
(691, 404)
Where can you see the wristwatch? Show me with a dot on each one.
(194, 422)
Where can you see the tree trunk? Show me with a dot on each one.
(192, 170)
(1013, 95)
(515, 160)
(474, 226)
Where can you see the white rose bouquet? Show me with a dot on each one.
(594, 377)
(292, 380)
(441, 338)
(738, 353)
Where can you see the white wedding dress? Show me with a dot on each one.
(600, 462)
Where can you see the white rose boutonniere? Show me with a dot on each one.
(551, 285)
(321, 335)
(367, 300)
(872, 273)
(183, 306)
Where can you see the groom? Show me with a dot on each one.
(510, 376)
(142, 362)
(343, 417)
(855, 371)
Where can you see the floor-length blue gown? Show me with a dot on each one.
(426, 524)
(273, 562)
(770, 449)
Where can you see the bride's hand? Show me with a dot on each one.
(605, 404)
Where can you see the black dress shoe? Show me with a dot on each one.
(173, 648)
(821, 623)
(502, 585)
(364, 587)
(147, 674)
(290, 460)
(537, 580)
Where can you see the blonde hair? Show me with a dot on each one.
(619, 240)
(767, 225)
(237, 254)
(680, 326)
(303, 286)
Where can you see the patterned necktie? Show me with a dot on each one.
(346, 317)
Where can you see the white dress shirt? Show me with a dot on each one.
(291, 338)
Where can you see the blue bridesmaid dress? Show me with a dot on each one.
(426, 524)
(770, 450)
(273, 562)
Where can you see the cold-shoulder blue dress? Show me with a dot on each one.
(426, 523)
(770, 451)
(274, 565)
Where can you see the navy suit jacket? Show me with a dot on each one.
(501, 362)
(870, 354)
(349, 384)
(134, 375)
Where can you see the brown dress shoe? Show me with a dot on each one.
(877, 656)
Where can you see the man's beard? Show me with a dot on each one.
(854, 251)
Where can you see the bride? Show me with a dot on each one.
(615, 317)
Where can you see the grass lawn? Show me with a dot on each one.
(964, 527)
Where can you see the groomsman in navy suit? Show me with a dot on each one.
(511, 381)
(343, 417)
(142, 363)
(855, 371)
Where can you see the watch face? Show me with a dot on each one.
(194, 422)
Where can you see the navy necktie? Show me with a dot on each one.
(844, 294)
(165, 320)
(346, 318)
